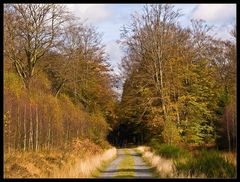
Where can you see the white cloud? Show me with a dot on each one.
(92, 12)
(215, 12)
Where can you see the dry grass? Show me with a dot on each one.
(163, 166)
(20, 164)
(84, 168)
(230, 156)
(79, 159)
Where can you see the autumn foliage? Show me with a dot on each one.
(57, 84)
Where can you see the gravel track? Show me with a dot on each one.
(141, 169)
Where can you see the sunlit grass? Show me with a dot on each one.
(29, 164)
(164, 168)
(230, 156)
(54, 164)
(204, 164)
(85, 168)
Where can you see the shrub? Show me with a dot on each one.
(168, 151)
(209, 163)
(171, 151)
(155, 143)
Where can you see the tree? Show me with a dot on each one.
(173, 77)
(30, 31)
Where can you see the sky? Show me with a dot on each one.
(109, 18)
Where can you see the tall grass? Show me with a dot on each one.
(84, 168)
(29, 164)
(164, 167)
(53, 164)
(208, 163)
(201, 164)
(168, 151)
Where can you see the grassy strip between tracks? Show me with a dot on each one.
(126, 166)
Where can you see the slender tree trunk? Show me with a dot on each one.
(178, 117)
(234, 132)
(31, 130)
(68, 132)
(51, 138)
(16, 130)
(36, 133)
(24, 129)
(49, 133)
(66, 135)
(15, 137)
(228, 132)
(59, 88)
(162, 96)
(9, 133)
(19, 129)
(75, 80)
(40, 139)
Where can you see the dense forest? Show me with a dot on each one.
(179, 84)
(57, 82)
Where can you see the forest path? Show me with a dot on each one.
(140, 169)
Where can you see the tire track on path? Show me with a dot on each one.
(141, 169)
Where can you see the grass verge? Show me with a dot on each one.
(208, 163)
(153, 170)
(200, 164)
(163, 167)
(126, 166)
(64, 161)
(86, 168)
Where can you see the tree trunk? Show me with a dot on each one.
(178, 117)
(66, 136)
(24, 129)
(16, 141)
(9, 133)
(49, 133)
(51, 138)
(19, 129)
(31, 130)
(162, 96)
(59, 88)
(234, 132)
(228, 132)
(36, 137)
(68, 132)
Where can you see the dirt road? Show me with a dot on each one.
(140, 168)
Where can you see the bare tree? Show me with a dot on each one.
(30, 31)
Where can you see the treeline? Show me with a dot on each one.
(180, 83)
(57, 82)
